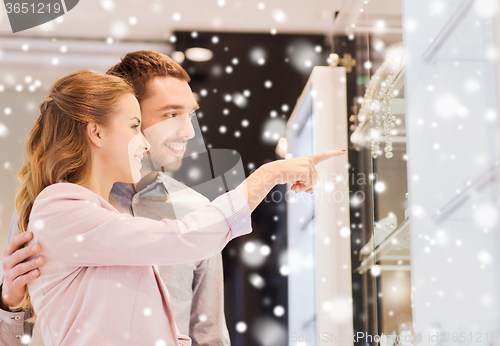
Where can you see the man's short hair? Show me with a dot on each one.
(141, 67)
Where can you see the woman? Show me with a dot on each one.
(99, 284)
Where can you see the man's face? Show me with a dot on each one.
(166, 122)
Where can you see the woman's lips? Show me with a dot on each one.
(138, 158)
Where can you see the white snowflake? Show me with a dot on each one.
(257, 281)
(240, 100)
(241, 327)
(119, 29)
(345, 232)
(379, 186)
(25, 339)
(279, 16)
(258, 55)
(108, 5)
(265, 250)
(375, 270)
(279, 311)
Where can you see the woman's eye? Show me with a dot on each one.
(136, 127)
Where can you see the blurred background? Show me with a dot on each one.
(249, 62)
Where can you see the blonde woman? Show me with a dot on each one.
(99, 284)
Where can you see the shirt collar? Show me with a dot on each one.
(125, 189)
(160, 179)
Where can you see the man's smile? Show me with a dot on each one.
(177, 149)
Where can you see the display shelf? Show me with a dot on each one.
(389, 247)
(431, 52)
(398, 253)
(384, 267)
(472, 188)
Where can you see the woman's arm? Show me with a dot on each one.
(299, 171)
(83, 230)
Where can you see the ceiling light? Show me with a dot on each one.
(178, 57)
(199, 54)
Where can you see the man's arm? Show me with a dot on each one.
(208, 323)
(16, 274)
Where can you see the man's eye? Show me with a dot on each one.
(170, 115)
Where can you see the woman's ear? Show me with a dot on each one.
(94, 133)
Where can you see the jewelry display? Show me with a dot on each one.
(378, 100)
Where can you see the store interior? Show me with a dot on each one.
(252, 65)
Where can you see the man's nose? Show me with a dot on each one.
(186, 130)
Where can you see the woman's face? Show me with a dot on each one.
(123, 143)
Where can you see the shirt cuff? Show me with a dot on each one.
(13, 318)
(237, 212)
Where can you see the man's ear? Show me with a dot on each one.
(94, 133)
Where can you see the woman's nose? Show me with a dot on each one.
(147, 146)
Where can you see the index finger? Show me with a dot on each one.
(325, 155)
(15, 243)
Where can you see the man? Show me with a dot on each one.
(196, 289)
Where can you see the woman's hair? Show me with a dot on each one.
(58, 147)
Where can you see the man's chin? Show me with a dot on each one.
(164, 164)
(172, 166)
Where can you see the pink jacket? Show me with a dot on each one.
(99, 285)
